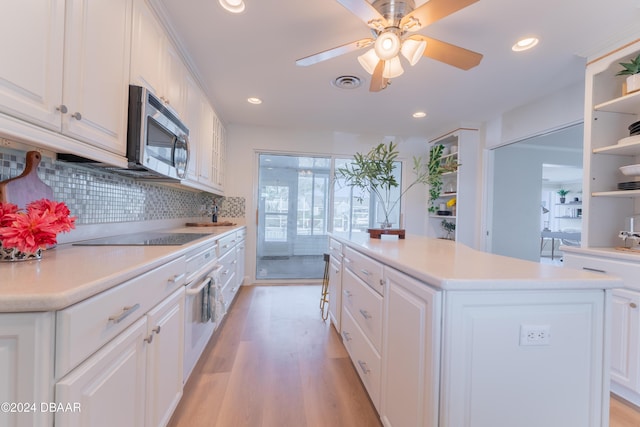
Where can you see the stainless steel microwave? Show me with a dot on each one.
(157, 140)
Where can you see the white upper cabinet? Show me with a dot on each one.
(69, 73)
(155, 63)
(31, 71)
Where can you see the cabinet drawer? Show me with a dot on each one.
(368, 269)
(335, 248)
(365, 359)
(241, 234)
(228, 262)
(226, 243)
(88, 325)
(365, 306)
(629, 272)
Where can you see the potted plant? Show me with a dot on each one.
(563, 193)
(373, 173)
(434, 179)
(632, 71)
(449, 227)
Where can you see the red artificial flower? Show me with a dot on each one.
(5, 210)
(36, 228)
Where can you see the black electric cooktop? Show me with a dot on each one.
(144, 239)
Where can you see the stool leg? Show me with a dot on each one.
(325, 293)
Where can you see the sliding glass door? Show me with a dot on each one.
(293, 208)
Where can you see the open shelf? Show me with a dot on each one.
(629, 103)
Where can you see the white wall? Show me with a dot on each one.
(243, 142)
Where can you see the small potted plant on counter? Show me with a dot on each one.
(563, 194)
(632, 71)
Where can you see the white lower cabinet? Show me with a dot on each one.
(335, 290)
(165, 337)
(625, 330)
(109, 387)
(26, 368)
(625, 321)
(134, 380)
(410, 370)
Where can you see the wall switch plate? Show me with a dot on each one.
(535, 335)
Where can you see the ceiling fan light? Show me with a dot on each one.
(233, 6)
(387, 45)
(392, 68)
(369, 60)
(413, 50)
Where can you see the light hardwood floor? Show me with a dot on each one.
(275, 363)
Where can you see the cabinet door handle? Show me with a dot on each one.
(117, 318)
(176, 278)
(346, 335)
(593, 269)
(62, 108)
(364, 367)
(149, 339)
(633, 305)
(365, 314)
(381, 282)
(77, 116)
(156, 329)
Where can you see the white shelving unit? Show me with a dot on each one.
(461, 185)
(608, 114)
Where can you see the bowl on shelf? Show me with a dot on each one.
(630, 170)
(444, 213)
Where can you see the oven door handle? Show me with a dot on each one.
(197, 289)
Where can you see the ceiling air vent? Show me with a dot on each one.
(347, 82)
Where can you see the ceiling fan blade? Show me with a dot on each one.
(363, 10)
(433, 11)
(377, 81)
(332, 53)
(450, 54)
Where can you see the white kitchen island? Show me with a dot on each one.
(444, 335)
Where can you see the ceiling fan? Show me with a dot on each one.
(390, 22)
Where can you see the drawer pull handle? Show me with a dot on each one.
(125, 312)
(62, 108)
(156, 329)
(176, 278)
(149, 339)
(593, 269)
(346, 335)
(77, 116)
(633, 305)
(363, 366)
(337, 270)
(381, 282)
(365, 314)
(365, 272)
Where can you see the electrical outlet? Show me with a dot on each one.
(535, 335)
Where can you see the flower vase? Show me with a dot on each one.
(14, 255)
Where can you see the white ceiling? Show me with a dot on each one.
(254, 54)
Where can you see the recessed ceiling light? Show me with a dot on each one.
(233, 6)
(524, 44)
(255, 101)
(419, 114)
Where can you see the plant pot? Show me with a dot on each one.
(14, 255)
(563, 199)
(633, 83)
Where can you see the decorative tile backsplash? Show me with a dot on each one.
(97, 196)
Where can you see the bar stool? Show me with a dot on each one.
(324, 297)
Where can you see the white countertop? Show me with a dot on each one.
(449, 265)
(613, 253)
(68, 274)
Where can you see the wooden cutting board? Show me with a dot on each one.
(27, 187)
(210, 224)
